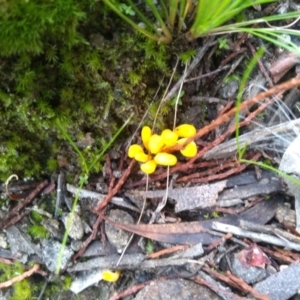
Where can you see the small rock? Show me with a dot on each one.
(282, 285)
(76, 230)
(249, 274)
(176, 289)
(76, 245)
(290, 164)
(51, 252)
(3, 241)
(118, 237)
(52, 226)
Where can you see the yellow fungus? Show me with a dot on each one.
(149, 167)
(185, 130)
(146, 134)
(134, 149)
(142, 157)
(169, 137)
(110, 276)
(155, 143)
(165, 159)
(190, 150)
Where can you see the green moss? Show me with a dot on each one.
(51, 69)
(22, 290)
(38, 232)
(36, 217)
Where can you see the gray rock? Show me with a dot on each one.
(176, 289)
(290, 164)
(118, 237)
(76, 229)
(249, 275)
(282, 285)
(51, 252)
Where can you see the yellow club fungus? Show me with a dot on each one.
(185, 130)
(190, 150)
(142, 157)
(134, 150)
(110, 276)
(146, 134)
(169, 137)
(165, 159)
(155, 143)
(149, 167)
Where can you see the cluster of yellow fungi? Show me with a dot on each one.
(156, 146)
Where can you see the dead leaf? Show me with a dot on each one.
(202, 196)
(196, 232)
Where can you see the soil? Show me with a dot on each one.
(157, 264)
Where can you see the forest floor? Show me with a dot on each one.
(211, 225)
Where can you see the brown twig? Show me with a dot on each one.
(260, 64)
(92, 236)
(167, 251)
(216, 289)
(111, 193)
(14, 215)
(222, 119)
(18, 278)
(246, 287)
(131, 290)
(219, 241)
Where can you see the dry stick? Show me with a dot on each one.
(18, 278)
(244, 105)
(238, 169)
(260, 64)
(225, 118)
(138, 222)
(246, 287)
(121, 181)
(217, 290)
(89, 239)
(229, 280)
(14, 216)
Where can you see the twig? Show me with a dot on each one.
(131, 290)
(111, 193)
(14, 215)
(243, 106)
(18, 278)
(246, 287)
(92, 236)
(224, 118)
(167, 251)
(260, 64)
(255, 236)
(217, 290)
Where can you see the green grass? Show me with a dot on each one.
(87, 168)
(241, 150)
(170, 18)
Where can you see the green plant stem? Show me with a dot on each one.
(251, 65)
(82, 159)
(165, 30)
(125, 18)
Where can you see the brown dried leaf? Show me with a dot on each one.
(196, 232)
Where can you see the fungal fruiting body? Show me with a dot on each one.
(185, 130)
(157, 146)
(110, 276)
(190, 150)
(165, 159)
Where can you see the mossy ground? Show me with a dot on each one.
(82, 66)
